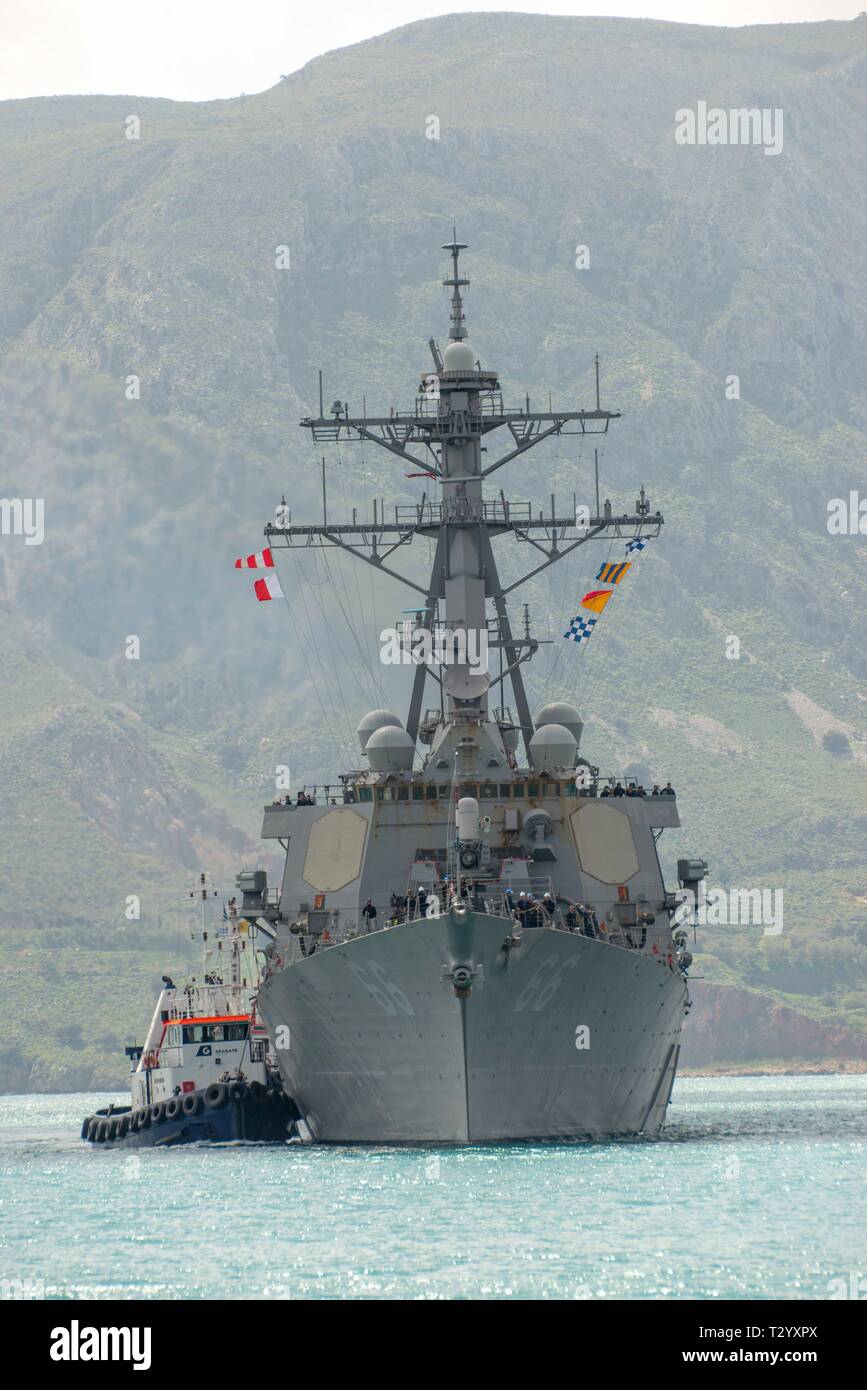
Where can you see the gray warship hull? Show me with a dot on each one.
(555, 1036)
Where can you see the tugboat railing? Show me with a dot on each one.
(196, 1001)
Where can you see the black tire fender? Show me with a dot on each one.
(216, 1095)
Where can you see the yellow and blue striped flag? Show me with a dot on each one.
(613, 573)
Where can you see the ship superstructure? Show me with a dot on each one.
(472, 939)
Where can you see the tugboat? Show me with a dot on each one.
(205, 1072)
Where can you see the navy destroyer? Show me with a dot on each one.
(472, 939)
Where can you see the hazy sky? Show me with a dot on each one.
(199, 49)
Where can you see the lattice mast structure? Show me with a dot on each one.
(458, 405)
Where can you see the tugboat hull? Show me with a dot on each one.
(448, 1030)
(263, 1120)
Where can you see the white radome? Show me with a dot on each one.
(552, 746)
(561, 713)
(390, 749)
(373, 720)
(459, 357)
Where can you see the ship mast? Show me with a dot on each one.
(459, 404)
(221, 941)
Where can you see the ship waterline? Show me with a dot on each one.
(458, 1030)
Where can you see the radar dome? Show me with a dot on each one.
(560, 713)
(390, 749)
(373, 720)
(552, 746)
(459, 357)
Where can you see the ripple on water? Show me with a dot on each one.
(755, 1190)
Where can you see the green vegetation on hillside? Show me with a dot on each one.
(157, 259)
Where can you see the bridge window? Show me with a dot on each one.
(198, 1033)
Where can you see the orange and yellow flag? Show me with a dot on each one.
(596, 600)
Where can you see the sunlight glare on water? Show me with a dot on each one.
(756, 1190)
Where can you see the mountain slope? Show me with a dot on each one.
(156, 259)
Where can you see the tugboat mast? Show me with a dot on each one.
(458, 406)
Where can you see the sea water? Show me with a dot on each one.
(756, 1190)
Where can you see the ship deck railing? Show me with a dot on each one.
(526, 785)
(491, 509)
(630, 936)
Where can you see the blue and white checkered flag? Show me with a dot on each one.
(580, 629)
(638, 544)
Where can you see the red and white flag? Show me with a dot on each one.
(262, 560)
(268, 588)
